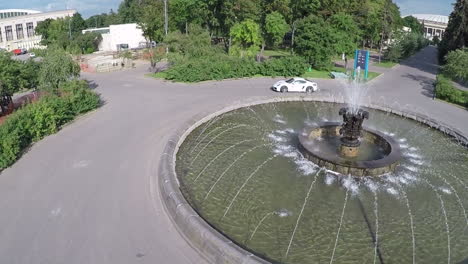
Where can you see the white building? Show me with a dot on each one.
(17, 26)
(434, 25)
(115, 36)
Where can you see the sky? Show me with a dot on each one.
(90, 7)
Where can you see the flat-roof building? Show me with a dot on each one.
(115, 37)
(434, 25)
(17, 26)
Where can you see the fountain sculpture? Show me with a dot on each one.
(351, 131)
(348, 148)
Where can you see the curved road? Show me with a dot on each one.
(89, 193)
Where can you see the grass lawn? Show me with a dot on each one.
(157, 75)
(316, 74)
(385, 64)
(277, 53)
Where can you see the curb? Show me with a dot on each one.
(207, 241)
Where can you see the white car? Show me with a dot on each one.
(295, 85)
(32, 55)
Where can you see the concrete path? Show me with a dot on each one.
(89, 193)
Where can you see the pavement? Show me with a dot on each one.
(89, 193)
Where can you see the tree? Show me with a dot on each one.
(246, 38)
(185, 12)
(15, 75)
(152, 21)
(130, 11)
(346, 34)
(456, 65)
(413, 23)
(275, 29)
(315, 41)
(42, 29)
(456, 34)
(57, 67)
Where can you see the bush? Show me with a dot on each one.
(35, 121)
(407, 45)
(457, 65)
(445, 91)
(285, 66)
(225, 67)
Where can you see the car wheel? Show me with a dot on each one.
(284, 89)
(309, 89)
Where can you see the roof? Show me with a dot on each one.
(433, 18)
(19, 10)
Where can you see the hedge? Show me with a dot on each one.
(225, 67)
(445, 90)
(44, 117)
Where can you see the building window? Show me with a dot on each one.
(8, 33)
(30, 29)
(19, 31)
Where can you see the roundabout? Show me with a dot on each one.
(96, 192)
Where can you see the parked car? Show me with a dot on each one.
(20, 51)
(32, 55)
(295, 85)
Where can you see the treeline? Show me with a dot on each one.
(259, 24)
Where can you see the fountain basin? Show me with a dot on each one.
(378, 155)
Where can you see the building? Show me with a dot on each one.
(434, 25)
(17, 27)
(116, 37)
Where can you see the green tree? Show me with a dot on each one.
(346, 33)
(130, 11)
(57, 67)
(456, 34)
(456, 65)
(315, 41)
(246, 38)
(152, 20)
(275, 29)
(14, 76)
(413, 23)
(185, 12)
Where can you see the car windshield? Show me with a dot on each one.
(290, 81)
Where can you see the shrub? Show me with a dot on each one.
(457, 65)
(445, 91)
(225, 67)
(285, 66)
(35, 121)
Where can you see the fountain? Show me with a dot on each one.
(310, 182)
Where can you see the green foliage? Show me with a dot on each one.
(456, 33)
(151, 20)
(275, 28)
(66, 34)
(195, 44)
(407, 45)
(346, 33)
(444, 90)
(456, 65)
(315, 40)
(16, 75)
(225, 67)
(57, 68)
(285, 66)
(413, 23)
(37, 120)
(246, 38)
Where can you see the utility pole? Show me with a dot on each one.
(165, 22)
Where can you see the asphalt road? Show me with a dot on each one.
(89, 194)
